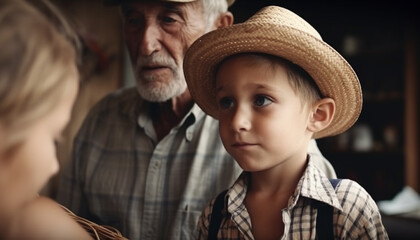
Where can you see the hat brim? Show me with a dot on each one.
(331, 72)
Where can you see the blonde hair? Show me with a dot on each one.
(37, 66)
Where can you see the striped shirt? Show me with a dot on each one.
(355, 216)
(121, 176)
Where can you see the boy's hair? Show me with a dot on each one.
(37, 67)
(301, 82)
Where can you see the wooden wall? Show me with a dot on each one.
(101, 70)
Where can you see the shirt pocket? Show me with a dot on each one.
(189, 221)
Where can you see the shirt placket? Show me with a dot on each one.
(153, 196)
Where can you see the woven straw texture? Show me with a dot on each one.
(280, 32)
(98, 232)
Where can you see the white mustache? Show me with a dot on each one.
(156, 60)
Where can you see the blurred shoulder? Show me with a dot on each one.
(43, 218)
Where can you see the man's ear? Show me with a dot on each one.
(225, 19)
(323, 113)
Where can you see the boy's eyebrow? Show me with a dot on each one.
(258, 86)
(218, 89)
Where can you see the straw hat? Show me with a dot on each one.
(115, 2)
(277, 31)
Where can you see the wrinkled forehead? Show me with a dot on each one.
(116, 2)
(129, 6)
(157, 2)
(125, 1)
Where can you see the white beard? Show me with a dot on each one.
(153, 89)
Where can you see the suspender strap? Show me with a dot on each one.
(216, 215)
(324, 219)
(334, 182)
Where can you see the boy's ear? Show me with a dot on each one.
(224, 20)
(323, 113)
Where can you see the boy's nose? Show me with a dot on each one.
(241, 120)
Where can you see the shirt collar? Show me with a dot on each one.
(145, 122)
(195, 114)
(313, 184)
(236, 194)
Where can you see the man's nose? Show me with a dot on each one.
(150, 41)
(241, 119)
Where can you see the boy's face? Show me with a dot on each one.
(263, 122)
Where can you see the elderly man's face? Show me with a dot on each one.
(158, 35)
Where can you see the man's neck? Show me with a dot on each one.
(167, 115)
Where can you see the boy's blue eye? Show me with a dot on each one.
(225, 103)
(261, 101)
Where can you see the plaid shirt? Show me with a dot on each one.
(121, 176)
(355, 216)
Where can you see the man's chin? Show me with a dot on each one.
(156, 95)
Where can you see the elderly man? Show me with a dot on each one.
(147, 159)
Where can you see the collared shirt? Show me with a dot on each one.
(355, 216)
(121, 176)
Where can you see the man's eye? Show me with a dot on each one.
(225, 103)
(261, 101)
(133, 20)
(168, 20)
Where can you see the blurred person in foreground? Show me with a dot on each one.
(147, 159)
(38, 86)
(39, 81)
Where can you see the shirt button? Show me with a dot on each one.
(156, 165)
(189, 135)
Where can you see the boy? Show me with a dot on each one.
(273, 84)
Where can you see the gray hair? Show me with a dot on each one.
(212, 10)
